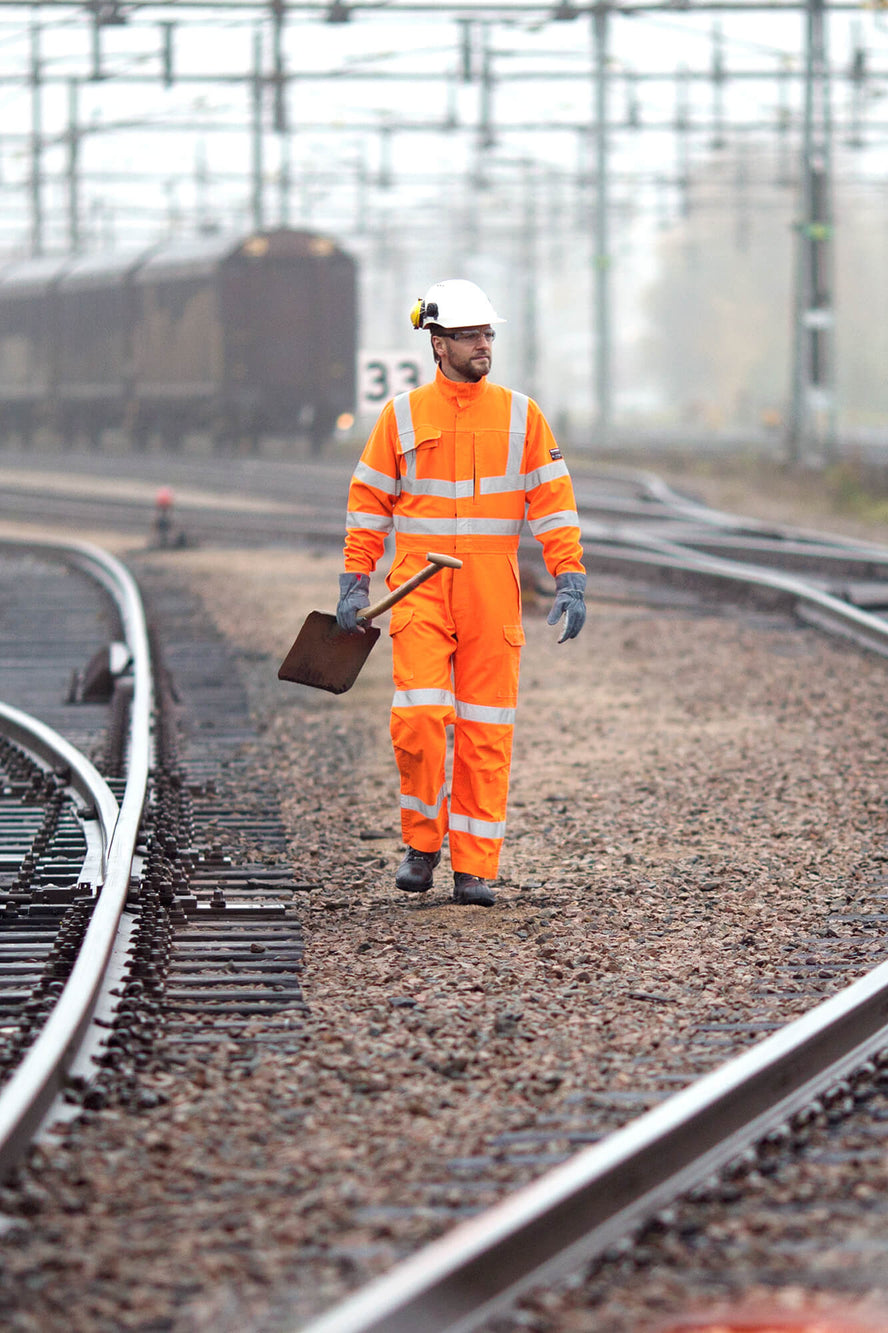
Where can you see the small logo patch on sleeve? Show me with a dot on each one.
(555, 453)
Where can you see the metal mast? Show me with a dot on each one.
(811, 427)
(602, 334)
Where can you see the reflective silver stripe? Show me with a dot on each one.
(442, 487)
(444, 698)
(368, 522)
(485, 713)
(565, 518)
(488, 527)
(551, 472)
(406, 439)
(430, 811)
(517, 432)
(422, 699)
(502, 485)
(437, 527)
(404, 422)
(438, 486)
(463, 527)
(409, 483)
(378, 480)
(511, 480)
(481, 828)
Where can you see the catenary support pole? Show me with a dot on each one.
(811, 424)
(601, 332)
(36, 182)
(257, 165)
(74, 239)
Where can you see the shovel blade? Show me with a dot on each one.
(325, 656)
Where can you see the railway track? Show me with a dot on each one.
(79, 847)
(49, 1028)
(200, 891)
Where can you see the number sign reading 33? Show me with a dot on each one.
(383, 374)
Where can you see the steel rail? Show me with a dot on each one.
(652, 487)
(33, 1085)
(635, 549)
(827, 560)
(764, 544)
(596, 1197)
(636, 546)
(28, 1095)
(54, 752)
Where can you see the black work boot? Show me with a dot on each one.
(471, 890)
(415, 871)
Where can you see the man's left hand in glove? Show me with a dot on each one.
(569, 602)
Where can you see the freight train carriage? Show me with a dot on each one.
(237, 338)
(28, 342)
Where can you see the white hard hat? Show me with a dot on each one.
(454, 304)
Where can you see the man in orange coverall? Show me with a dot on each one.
(455, 466)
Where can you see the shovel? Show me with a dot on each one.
(329, 657)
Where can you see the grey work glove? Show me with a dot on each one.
(354, 595)
(569, 590)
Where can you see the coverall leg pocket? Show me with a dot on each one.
(422, 709)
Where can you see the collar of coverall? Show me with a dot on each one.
(458, 391)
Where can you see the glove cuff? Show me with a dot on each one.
(349, 581)
(572, 581)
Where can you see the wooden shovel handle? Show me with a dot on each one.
(437, 562)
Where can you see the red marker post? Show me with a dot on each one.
(163, 518)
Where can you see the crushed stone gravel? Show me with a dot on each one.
(694, 793)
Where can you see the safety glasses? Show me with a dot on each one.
(471, 335)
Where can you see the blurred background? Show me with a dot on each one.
(679, 208)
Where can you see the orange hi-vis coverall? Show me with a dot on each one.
(456, 467)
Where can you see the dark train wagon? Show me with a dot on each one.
(94, 313)
(246, 338)
(235, 337)
(27, 345)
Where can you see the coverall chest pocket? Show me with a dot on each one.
(491, 456)
(416, 459)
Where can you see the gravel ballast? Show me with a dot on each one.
(696, 793)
